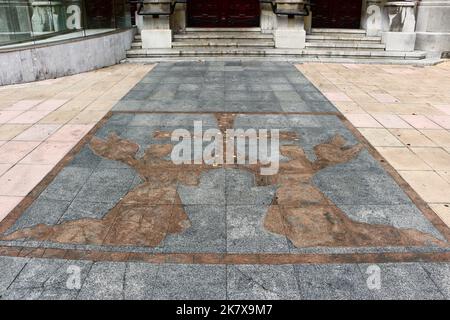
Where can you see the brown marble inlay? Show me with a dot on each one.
(153, 210)
(144, 217)
(308, 218)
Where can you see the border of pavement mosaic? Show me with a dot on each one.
(311, 255)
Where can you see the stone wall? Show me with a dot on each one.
(61, 59)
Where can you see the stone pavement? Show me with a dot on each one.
(25, 278)
(135, 225)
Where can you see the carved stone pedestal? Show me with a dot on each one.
(156, 32)
(399, 26)
(290, 30)
(399, 41)
(290, 38)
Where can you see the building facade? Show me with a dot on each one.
(48, 39)
(403, 25)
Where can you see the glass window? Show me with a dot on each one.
(15, 24)
(30, 21)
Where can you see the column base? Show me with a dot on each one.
(290, 38)
(156, 38)
(436, 42)
(399, 41)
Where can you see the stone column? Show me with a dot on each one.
(399, 26)
(139, 22)
(156, 32)
(268, 18)
(179, 19)
(290, 31)
(433, 26)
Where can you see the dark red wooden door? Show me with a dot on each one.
(336, 14)
(223, 13)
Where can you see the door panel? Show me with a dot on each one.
(223, 13)
(336, 14)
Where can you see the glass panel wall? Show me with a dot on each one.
(30, 21)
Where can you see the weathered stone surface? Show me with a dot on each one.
(105, 281)
(45, 279)
(336, 282)
(128, 192)
(308, 218)
(264, 282)
(25, 278)
(10, 269)
(143, 217)
(299, 210)
(190, 282)
(407, 281)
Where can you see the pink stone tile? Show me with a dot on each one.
(7, 204)
(443, 121)
(23, 105)
(363, 120)
(21, 179)
(351, 66)
(384, 97)
(71, 132)
(443, 108)
(14, 151)
(391, 121)
(30, 117)
(38, 132)
(4, 104)
(48, 153)
(5, 116)
(50, 105)
(420, 122)
(4, 168)
(338, 96)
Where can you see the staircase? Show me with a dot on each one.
(321, 44)
(223, 38)
(342, 39)
(210, 42)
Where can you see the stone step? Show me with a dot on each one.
(338, 30)
(314, 37)
(337, 35)
(223, 29)
(365, 53)
(223, 43)
(353, 45)
(136, 44)
(354, 33)
(272, 52)
(233, 34)
(222, 35)
(292, 59)
(215, 43)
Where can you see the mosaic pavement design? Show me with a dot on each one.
(119, 197)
